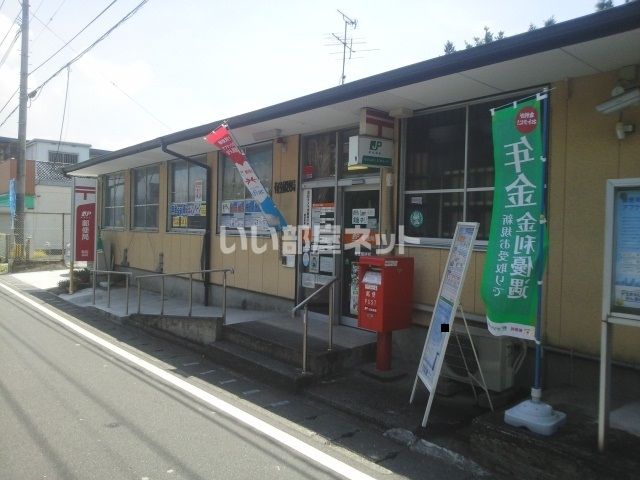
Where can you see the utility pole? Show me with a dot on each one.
(19, 237)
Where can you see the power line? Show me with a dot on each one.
(115, 85)
(72, 39)
(9, 116)
(36, 91)
(13, 42)
(10, 98)
(15, 21)
(110, 81)
(140, 105)
(46, 25)
(90, 47)
(64, 110)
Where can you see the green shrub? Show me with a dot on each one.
(82, 276)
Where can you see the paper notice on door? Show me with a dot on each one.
(314, 263)
(327, 264)
(308, 280)
(359, 216)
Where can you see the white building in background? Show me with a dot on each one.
(40, 150)
(48, 194)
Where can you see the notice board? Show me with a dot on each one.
(445, 309)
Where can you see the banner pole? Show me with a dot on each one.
(536, 392)
(535, 414)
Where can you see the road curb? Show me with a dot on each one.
(430, 449)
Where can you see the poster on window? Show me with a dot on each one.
(84, 200)
(253, 216)
(197, 190)
(516, 252)
(221, 138)
(191, 215)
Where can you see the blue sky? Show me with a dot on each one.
(177, 64)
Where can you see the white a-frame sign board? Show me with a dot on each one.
(444, 311)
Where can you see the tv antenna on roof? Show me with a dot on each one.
(347, 43)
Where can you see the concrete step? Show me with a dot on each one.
(200, 330)
(286, 346)
(258, 365)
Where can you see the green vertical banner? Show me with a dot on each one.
(516, 253)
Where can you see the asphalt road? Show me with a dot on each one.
(74, 409)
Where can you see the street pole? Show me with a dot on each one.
(72, 253)
(19, 236)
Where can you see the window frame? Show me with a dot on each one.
(223, 163)
(106, 205)
(339, 158)
(442, 242)
(64, 155)
(134, 205)
(202, 161)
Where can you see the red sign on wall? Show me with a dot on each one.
(85, 222)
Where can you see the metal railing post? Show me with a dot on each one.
(190, 293)
(108, 290)
(305, 322)
(224, 298)
(331, 309)
(305, 317)
(162, 287)
(94, 287)
(162, 296)
(126, 289)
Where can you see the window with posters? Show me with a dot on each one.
(448, 170)
(187, 203)
(145, 197)
(237, 208)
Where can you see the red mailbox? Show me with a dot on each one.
(385, 300)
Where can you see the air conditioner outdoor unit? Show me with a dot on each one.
(500, 358)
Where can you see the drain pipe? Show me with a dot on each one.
(206, 248)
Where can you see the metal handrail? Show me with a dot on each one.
(305, 318)
(108, 273)
(308, 299)
(224, 272)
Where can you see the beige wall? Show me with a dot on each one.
(181, 250)
(429, 265)
(264, 273)
(584, 153)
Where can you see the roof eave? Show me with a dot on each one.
(597, 25)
